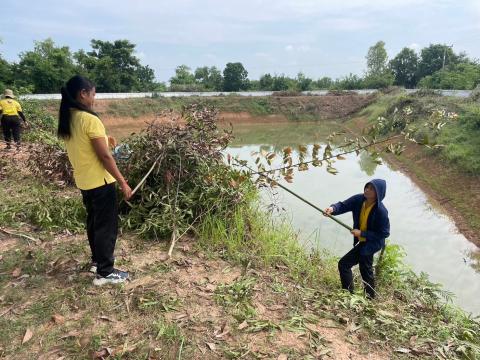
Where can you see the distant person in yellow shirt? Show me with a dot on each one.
(95, 173)
(371, 227)
(11, 115)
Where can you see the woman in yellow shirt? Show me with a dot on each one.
(10, 114)
(95, 173)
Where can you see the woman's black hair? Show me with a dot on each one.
(69, 94)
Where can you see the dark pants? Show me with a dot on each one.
(365, 262)
(102, 225)
(11, 126)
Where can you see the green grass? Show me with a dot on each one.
(251, 239)
(409, 304)
(45, 206)
(462, 140)
(257, 106)
(460, 137)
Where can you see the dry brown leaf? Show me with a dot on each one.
(58, 319)
(282, 357)
(311, 327)
(84, 341)
(211, 346)
(210, 287)
(243, 325)
(106, 318)
(16, 272)
(73, 333)
(276, 307)
(180, 316)
(102, 354)
(28, 335)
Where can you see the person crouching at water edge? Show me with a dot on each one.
(95, 173)
(371, 227)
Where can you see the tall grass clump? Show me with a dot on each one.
(447, 127)
(46, 207)
(250, 238)
(462, 140)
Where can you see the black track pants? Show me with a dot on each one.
(11, 126)
(365, 262)
(102, 225)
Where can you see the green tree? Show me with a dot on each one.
(303, 83)
(114, 67)
(46, 67)
(404, 67)
(377, 59)
(235, 77)
(281, 83)
(211, 78)
(378, 75)
(324, 83)
(434, 57)
(6, 74)
(463, 76)
(349, 82)
(266, 82)
(183, 76)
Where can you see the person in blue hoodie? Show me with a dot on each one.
(371, 227)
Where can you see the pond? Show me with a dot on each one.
(429, 237)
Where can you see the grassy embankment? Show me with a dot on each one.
(449, 171)
(304, 108)
(238, 288)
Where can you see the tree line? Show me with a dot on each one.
(114, 67)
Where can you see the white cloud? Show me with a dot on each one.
(414, 46)
(302, 48)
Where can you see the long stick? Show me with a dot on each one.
(9, 232)
(145, 177)
(301, 198)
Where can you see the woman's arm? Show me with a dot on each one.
(101, 149)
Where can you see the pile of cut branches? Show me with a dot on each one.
(189, 177)
(49, 162)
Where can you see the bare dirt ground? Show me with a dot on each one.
(167, 308)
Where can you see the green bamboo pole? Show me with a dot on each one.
(301, 198)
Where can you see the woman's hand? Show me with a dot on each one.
(328, 211)
(112, 142)
(126, 190)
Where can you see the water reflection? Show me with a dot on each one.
(367, 164)
(429, 238)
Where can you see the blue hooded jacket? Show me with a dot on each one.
(378, 224)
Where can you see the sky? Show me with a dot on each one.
(316, 37)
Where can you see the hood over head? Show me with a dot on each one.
(380, 186)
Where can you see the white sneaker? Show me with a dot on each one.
(116, 277)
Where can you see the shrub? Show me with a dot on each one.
(189, 177)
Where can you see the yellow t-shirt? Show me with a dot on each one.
(88, 170)
(364, 217)
(9, 107)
